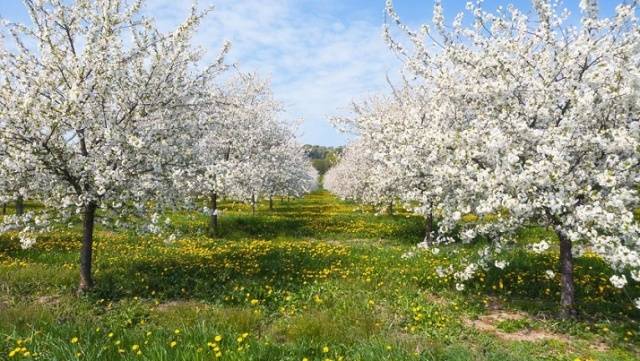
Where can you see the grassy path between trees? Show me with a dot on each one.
(314, 279)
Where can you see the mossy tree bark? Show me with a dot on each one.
(86, 251)
(567, 284)
(20, 206)
(213, 218)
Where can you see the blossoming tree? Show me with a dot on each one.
(537, 120)
(289, 172)
(274, 164)
(244, 151)
(15, 181)
(389, 161)
(100, 103)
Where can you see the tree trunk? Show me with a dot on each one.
(390, 209)
(213, 221)
(428, 236)
(19, 206)
(281, 200)
(253, 204)
(270, 203)
(568, 291)
(4, 209)
(86, 281)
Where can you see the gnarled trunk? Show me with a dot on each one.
(270, 203)
(253, 204)
(213, 220)
(20, 206)
(568, 290)
(4, 209)
(390, 208)
(428, 229)
(86, 251)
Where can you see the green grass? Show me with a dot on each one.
(314, 275)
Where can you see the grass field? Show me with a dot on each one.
(315, 279)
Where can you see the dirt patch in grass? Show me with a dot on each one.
(48, 300)
(436, 299)
(490, 323)
(599, 346)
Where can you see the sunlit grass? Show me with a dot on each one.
(316, 278)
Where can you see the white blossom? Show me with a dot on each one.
(408, 255)
(618, 281)
(550, 274)
(540, 247)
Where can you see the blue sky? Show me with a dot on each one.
(321, 55)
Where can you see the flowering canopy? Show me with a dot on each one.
(517, 119)
(245, 152)
(99, 106)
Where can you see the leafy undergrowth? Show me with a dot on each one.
(313, 279)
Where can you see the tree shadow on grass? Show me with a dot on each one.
(232, 274)
(524, 284)
(309, 225)
(263, 227)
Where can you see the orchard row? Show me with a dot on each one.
(506, 119)
(106, 118)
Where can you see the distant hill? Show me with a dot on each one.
(323, 157)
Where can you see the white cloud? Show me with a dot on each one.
(318, 58)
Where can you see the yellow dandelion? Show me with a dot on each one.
(218, 338)
(74, 340)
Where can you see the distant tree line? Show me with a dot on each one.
(323, 157)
